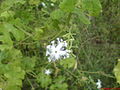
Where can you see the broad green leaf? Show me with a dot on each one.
(1, 85)
(12, 87)
(10, 55)
(16, 72)
(14, 82)
(28, 63)
(12, 70)
(7, 4)
(24, 16)
(44, 79)
(68, 63)
(59, 83)
(14, 76)
(58, 86)
(34, 2)
(2, 70)
(38, 33)
(18, 34)
(5, 38)
(7, 14)
(117, 71)
(53, 0)
(57, 14)
(59, 79)
(81, 16)
(3, 47)
(68, 5)
(92, 6)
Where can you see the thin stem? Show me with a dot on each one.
(98, 72)
(30, 83)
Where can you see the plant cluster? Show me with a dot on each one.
(38, 43)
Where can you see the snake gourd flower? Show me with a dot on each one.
(57, 50)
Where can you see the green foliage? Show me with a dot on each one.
(7, 14)
(5, 37)
(7, 4)
(53, 0)
(44, 80)
(68, 63)
(68, 5)
(28, 63)
(92, 6)
(81, 16)
(59, 83)
(13, 68)
(17, 73)
(18, 34)
(34, 2)
(38, 33)
(26, 27)
(117, 71)
(57, 14)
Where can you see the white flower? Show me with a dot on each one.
(43, 4)
(99, 84)
(57, 50)
(47, 72)
(52, 4)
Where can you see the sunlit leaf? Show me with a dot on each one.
(81, 16)
(68, 63)
(57, 14)
(117, 71)
(93, 6)
(68, 5)
(44, 79)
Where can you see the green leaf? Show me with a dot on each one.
(81, 16)
(12, 87)
(59, 83)
(38, 33)
(44, 80)
(2, 70)
(28, 63)
(17, 73)
(7, 4)
(24, 16)
(92, 6)
(68, 5)
(59, 79)
(11, 70)
(117, 71)
(68, 63)
(18, 35)
(53, 0)
(10, 55)
(57, 14)
(7, 14)
(14, 71)
(5, 38)
(57, 86)
(34, 2)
